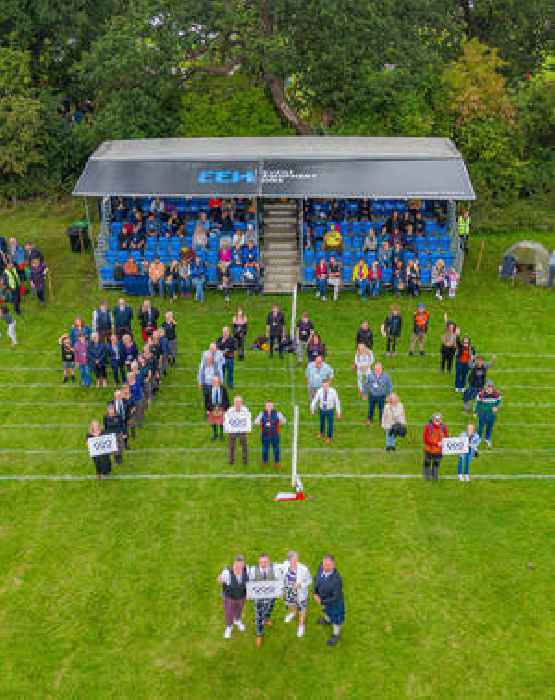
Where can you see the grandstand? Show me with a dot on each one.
(277, 190)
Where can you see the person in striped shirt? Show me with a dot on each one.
(487, 405)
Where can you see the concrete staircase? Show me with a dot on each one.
(280, 253)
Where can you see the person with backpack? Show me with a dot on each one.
(394, 421)
(419, 330)
(391, 329)
(434, 432)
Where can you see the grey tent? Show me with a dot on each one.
(528, 260)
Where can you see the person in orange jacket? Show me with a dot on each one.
(434, 432)
(419, 330)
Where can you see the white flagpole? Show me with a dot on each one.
(295, 440)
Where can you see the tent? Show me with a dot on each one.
(529, 261)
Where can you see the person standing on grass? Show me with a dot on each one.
(334, 276)
(419, 330)
(464, 356)
(122, 315)
(463, 463)
(216, 403)
(117, 359)
(327, 400)
(98, 357)
(68, 359)
(102, 322)
(434, 432)
(328, 592)
(10, 323)
(233, 580)
(364, 359)
(148, 318)
(114, 423)
(81, 349)
(391, 329)
(315, 347)
(377, 388)
(275, 330)
(394, 421)
(102, 463)
(360, 277)
(170, 329)
(238, 413)
(321, 274)
(265, 570)
(11, 275)
(240, 328)
(317, 372)
(296, 582)
(476, 379)
(38, 272)
(448, 345)
(488, 404)
(270, 422)
(364, 335)
(226, 345)
(305, 328)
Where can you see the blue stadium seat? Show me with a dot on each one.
(308, 274)
(347, 273)
(387, 275)
(425, 275)
(308, 257)
(212, 274)
(236, 274)
(116, 227)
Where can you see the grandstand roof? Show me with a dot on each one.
(296, 166)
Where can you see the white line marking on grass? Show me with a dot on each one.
(306, 477)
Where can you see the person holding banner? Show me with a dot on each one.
(463, 464)
(296, 582)
(487, 405)
(216, 403)
(270, 422)
(102, 462)
(265, 570)
(328, 592)
(234, 592)
(327, 400)
(237, 423)
(115, 423)
(434, 432)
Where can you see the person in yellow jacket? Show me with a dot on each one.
(360, 277)
(463, 228)
(333, 240)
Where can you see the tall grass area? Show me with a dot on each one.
(109, 589)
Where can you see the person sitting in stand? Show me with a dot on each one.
(412, 275)
(156, 273)
(360, 277)
(438, 278)
(137, 240)
(198, 278)
(399, 278)
(385, 256)
(130, 267)
(370, 244)
(321, 273)
(200, 237)
(333, 240)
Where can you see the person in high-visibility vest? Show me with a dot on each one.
(463, 227)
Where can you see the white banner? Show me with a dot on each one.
(259, 590)
(235, 422)
(454, 445)
(102, 445)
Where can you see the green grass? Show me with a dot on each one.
(108, 589)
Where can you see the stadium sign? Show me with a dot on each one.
(237, 422)
(226, 177)
(102, 445)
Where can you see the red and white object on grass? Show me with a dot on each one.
(296, 495)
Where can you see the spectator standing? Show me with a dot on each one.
(226, 344)
(237, 412)
(102, 463)
(487, 405)
(364, 359)
(463, 227)
(114, 423)
(102, 322)
(117, 359)
(448, 345)
(297, 581)
(122, 315)
(11, 277)
(97, 357)
(10, 323)
(391, 329)
(419, 329)
(265, 570)
(464, 355)
(365, 336)
(315, 347)
(375, 279)
(434, 432)
(148, 319)
(334, 276)
(198, 278)
(476, 379)
(170, 330)
(316, 373)
(305, 328)
(234, 592)
(80, 349)
(360, 277)
(275, 330)
(321, 273)
(270, 422)
(463, 463)
(394, 421)
(216, 403)
(438, 278)
(377, 387)
(412, 274)
(240, 328)
(38, 274)
(327, 400)
(328, 592)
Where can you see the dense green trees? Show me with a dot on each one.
(468, 69)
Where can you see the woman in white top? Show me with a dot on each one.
(394, 421)
(296, 582)
(364, 359)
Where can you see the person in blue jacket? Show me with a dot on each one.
(328, 592)
(198, 278)
(97, 355)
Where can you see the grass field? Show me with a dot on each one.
(108, 589)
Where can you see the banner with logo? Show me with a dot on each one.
(259, 590)
(102, 445)
(454, 445)
(237, 422)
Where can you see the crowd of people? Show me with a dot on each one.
(294, 581)
(108, 346)
(22, 270)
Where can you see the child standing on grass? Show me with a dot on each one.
(463, 465)
(68, 359)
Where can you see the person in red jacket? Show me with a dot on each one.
(434, 432)
(321, 279)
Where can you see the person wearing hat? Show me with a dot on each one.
(487, 405)
(434, 432)
(328, 592)
(419, 330)
(234, 593)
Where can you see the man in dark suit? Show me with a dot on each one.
(275, 330)
(328, 592)
(216, 402)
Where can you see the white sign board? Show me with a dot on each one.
(260, 590)
(102, 445)
(237, 422)
(454, 445)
